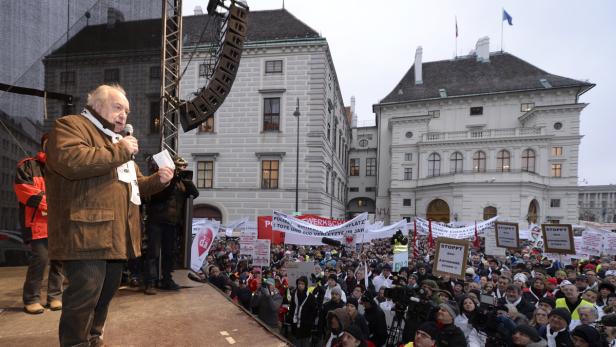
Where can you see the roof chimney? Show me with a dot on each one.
(198, 10)
(353, 114)
(418, 68)
(482, 49)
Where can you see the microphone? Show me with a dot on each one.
(128, 129)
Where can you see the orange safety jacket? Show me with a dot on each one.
(29, 187)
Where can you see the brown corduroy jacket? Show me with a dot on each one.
(90, 215)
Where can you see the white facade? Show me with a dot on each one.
(598, 203)
(414, 134)
(239, 144)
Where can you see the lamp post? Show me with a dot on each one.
(296, 114)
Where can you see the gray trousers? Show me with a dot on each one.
(36, 271)
(92, 285)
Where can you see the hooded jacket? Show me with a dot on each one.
(302, 311)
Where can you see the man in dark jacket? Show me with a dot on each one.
(556, 333)
(374, 315)
(448, 333)
(267, 301)
(30, 190)
(302, 312)
(513, 296)
(165, 212)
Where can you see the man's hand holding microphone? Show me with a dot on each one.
(130, 142)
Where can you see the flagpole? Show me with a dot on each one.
(456, 37)
(502, 12)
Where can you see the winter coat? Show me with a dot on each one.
(563, 339)
(307, 315)
(377, 325)
(267, 305)
(90, 215)
(30, 189)
(168, 206)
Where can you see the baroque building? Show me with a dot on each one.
(598, 203)
(477, 136)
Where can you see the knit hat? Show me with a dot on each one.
(552, 280)
(528, 331)
(588, 334)
(452, 309)
(548, 300)
(336, 290)
(352, 301)
(520, 277)
(608, 286)
(429, 328)
(430, 283)
(562, 313)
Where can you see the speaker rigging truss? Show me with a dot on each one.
(229, 51)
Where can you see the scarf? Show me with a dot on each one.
(515, 303)
(126, 171)
(297, 315)
(551, 337)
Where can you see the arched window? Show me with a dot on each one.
(456, 161)
(503, 161)
(528, 160)
(479, 161)
(434, 164)
(489, 212)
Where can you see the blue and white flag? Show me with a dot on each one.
(507, 17)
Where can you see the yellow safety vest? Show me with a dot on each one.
(575, 315)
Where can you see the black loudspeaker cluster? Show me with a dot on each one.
(205, 104)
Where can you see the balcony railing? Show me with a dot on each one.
(481, 134)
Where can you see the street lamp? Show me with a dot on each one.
(296, 114)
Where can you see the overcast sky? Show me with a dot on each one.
(374, 45)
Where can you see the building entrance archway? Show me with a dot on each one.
(438, 210)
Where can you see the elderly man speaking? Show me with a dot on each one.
(93, 194)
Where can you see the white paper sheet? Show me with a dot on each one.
(163, 159)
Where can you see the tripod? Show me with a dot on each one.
(395, 331)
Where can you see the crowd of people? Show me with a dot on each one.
(355, 299)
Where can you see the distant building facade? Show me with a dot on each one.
(598, 203)
(478, 136)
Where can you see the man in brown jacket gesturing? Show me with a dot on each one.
(93, 194)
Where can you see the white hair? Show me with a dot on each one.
(101, 93)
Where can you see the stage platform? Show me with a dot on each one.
(197, 315)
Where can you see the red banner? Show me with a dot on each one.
(265, 232)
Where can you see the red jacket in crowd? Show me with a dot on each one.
(30, 190)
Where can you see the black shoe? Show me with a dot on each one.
(169, 285)
(134, 283)
(149, 290)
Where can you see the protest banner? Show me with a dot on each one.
(205, 231)
(401, 259)
(466, 232)
(300, 232)
(592, 241)
(278, 237)
(248, 237)
(262, 253)
(609, 244)
(507, 235)
(296, 270)
(558, 238)
(490, 244)
(451, 256)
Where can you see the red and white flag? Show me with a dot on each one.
(205, 231)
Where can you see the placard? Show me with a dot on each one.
(490, 244)
(296, 270)
(248, 237)
(262, 253)
(401, 259)
(558, 238)
(451, 256)
(507, 235)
